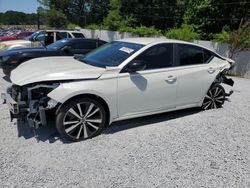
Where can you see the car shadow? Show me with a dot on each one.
(44, 133)
(147, 120)
(50, 134)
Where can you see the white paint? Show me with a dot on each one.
(127, 95)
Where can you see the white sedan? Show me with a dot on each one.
(124, 79)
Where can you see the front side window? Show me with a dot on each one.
(156, 57)
(192, 55)
(111, 54)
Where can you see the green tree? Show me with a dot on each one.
(56, 19)
(14, 18)
(238, 40)
(210, 16)
(185, 32)
(114, 21)
(79, 12)
(161, 14)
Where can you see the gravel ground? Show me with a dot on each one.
(188, 148)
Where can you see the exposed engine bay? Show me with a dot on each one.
(31, 102)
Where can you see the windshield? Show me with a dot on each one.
(57, 45)
(111, 54)
(31, 37)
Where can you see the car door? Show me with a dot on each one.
(151, 89)
(195, 75)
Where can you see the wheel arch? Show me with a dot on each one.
(92, 96)
(215, 81)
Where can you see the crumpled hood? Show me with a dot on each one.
(53, 69)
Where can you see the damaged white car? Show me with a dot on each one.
(124, 79)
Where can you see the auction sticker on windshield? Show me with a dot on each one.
(127, 50)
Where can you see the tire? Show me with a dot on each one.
(80, 119)
(214, 98)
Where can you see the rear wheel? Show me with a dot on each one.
(81, 119)
(214, 98)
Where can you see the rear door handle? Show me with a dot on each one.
(171, 79)
(211, 70)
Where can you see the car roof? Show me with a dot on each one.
(75, 39)
(59, 30)
(147, 41)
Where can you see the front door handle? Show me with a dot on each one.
(211, 70)
(171, 79)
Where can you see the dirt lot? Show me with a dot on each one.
(188, 148)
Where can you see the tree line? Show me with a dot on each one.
(204, 17)
(223, 21)
(17, 18)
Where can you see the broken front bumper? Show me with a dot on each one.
(14, 106)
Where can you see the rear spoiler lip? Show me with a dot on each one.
(232, 62)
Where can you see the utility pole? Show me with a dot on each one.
(38, 19)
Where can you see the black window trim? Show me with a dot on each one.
(177, 55)
(174, 63)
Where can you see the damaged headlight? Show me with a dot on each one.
(41, 90)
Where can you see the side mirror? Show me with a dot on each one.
(66, 49)
(79, 56)
(136, 65)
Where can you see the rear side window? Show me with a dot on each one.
(192, 55)
(78, 35)
(159, 56)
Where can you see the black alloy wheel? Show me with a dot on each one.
(214, 98)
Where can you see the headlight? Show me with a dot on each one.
(3, 46)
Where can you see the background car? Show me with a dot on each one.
(124, 79)
(40, 39)
(19, 35)
(10, 59)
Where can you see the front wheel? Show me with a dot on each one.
(80, 119)
(214, 98)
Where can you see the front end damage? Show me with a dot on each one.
(30, 103)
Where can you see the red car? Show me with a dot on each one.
(20, 35)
